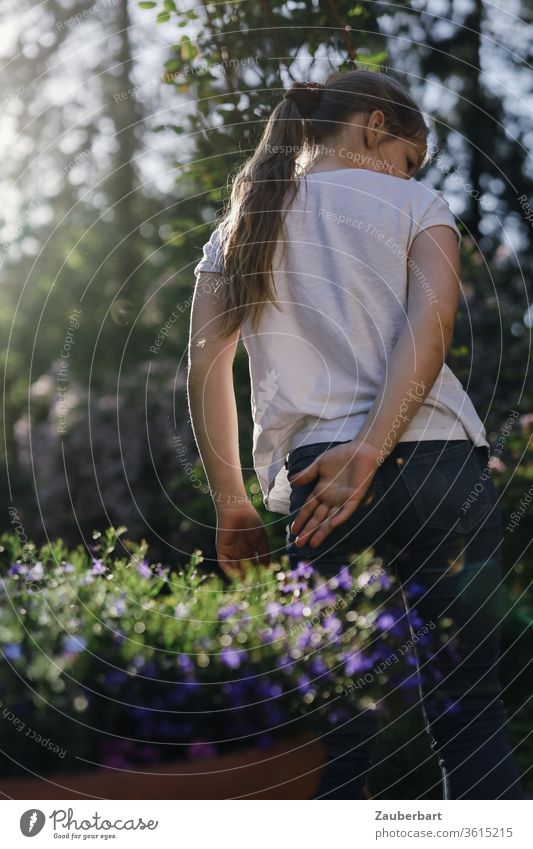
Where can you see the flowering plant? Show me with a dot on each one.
(111, 660)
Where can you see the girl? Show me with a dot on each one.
(341, 275)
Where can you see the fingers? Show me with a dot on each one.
(322, 522)
(263, 552)
(315, 532)
(344, 513)
(231, 568)
(256, 553)
(335, 518)
(305, 512)
(318, 516)
(324, 529)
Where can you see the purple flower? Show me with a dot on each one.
(17, 569)
(271, 635)
(332, 625)
(384, 580)
(87, 579)
(144, 569)
(385, 622)
(304, 639)
(265, 635)
(293, 586)
(231, 657)
(185, 663)
(278, 633)
(304, 684)
(98, 568)
(273, 608)
(12, 651)
(119, 606)
(36, 572)
(336, 715)
(414, 589)
(344, 579)
(318, 665)
(67, 568)
(228, 611)
(303, 570)
(355, 663)
(269, 689)
(415, 619)
(295, 610)
(322, 593)
(73, 644)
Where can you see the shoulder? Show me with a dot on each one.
(431, 208)
(212, 252)
(427, 195)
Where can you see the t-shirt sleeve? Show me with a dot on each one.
(212, 254)
(433, 209)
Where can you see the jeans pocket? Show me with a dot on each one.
(296, 464)
(449, 490)
(301, 457)
(354, 534)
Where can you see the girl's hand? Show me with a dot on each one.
(240, 536)
(344, 475)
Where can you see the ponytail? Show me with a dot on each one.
(266, 184)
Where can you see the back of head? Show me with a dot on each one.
(309, 115)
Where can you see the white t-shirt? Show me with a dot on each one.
(316, 366)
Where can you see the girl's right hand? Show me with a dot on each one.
(344, 475)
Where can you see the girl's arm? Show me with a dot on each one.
(346, 471)
(213, 410)
(211, 394)
(423, 344)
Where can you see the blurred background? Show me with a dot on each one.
(122, 124)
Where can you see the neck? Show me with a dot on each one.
(332, 158)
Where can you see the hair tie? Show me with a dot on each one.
(306, 96)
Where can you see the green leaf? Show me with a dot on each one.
(147, 5)
(174, 65)
(188, 49)
(356, 11)
(373, 60)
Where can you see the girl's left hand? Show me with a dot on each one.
(344, 474)
(240, 536)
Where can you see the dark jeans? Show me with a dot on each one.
(447, 558)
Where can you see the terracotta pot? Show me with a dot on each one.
(289, 769)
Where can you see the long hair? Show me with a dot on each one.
(265, 185)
